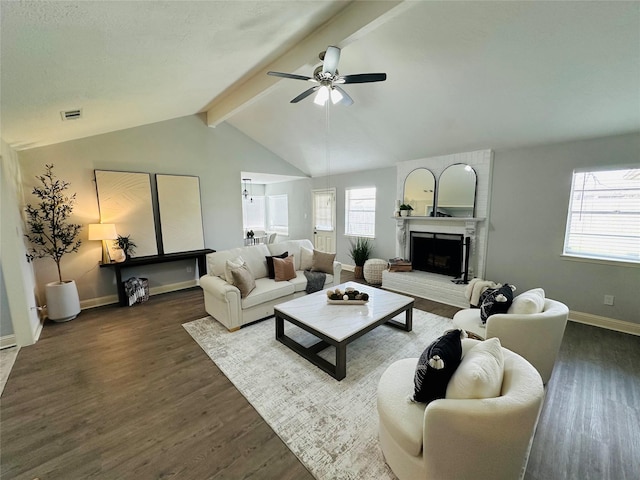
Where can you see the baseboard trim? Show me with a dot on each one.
(111, 299)
(605, 322)
(7, 341)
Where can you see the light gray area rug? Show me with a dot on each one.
(331, 426)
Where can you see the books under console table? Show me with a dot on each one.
(198, 255)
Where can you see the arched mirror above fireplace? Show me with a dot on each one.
(456, 192)
(419, 191)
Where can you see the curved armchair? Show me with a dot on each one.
(459, 439)
(535, 336)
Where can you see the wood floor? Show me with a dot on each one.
(125, 393)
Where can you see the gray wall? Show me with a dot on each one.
(529, 202)
(180, 146)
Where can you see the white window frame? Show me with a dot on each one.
(278, 223)
(603, 219)
(360, 202)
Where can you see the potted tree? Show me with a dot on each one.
(360, 252)
(405, 210)
(51, 235)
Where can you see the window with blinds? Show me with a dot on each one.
(253, 213)
(604, 215)
(323, 211)
(278, 214)
(360, 212)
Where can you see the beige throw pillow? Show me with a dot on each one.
(480, 373)
(322, 262)
(243, 279)
(306, 258)
(230, 265)
(531, 301)
(284, 268)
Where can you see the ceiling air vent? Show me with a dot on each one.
(71, 114)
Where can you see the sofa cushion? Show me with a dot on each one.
(283, 268)
(531, 301)
(254, 256)
(436, 365)
(230, 265)
(271, 272)
(322, 262)
(306, 258)
(243, 279)
(496, 300)
(480, 372)
(291, 246)
(267, 290)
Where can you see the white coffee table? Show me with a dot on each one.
(339, 325)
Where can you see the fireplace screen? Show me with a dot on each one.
(437, 253)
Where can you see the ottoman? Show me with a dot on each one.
(373, 269)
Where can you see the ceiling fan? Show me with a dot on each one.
(329, 80)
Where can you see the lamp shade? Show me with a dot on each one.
(102, 231)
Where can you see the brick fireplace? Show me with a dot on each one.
(433, 278)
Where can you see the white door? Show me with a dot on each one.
(324, 220)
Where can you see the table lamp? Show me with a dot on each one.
(103, 231)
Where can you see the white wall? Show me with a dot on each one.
(529, 202)
(18, 278)
(180, 146)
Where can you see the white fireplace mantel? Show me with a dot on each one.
(459, 220)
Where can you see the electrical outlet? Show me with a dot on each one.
(189, 269)
(608, 299)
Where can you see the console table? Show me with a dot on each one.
(199, 255)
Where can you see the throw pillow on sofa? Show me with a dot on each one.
(436, 366)
(480, 372)
(306, 258)
(284, 268)
(243, 279)
(496, 300)
(531, 301)
(230, 265)
(322, 262)
(272, 273)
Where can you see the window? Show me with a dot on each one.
(323, 210)
(604, 215)
(360, 212)
(253, 213)
(278, 213)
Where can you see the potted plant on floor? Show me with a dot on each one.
(51, 235)
(360, 252)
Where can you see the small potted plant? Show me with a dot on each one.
(51, 235)
(124, 243)
(405, 210)
(359, 253)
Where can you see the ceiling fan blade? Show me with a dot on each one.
(331, 59)
(346, 99)
(291, 75)
(362, 78)
(305, 94)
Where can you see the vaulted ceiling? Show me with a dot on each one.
(461, 75)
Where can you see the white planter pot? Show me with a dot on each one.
(63, 303)
(404, 213)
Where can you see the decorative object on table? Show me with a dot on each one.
(124, 243)
(250, 234)
(137, 290)
(373, 269)
(359, 253)
(400, 265)
(51, 235)
(405, 210)
(347, 296)
(102, 232)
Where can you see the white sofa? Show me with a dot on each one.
(223, 301)
(479, 439)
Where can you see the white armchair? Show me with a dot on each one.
(535, 336)
(475, 439)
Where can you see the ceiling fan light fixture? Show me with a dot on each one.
(322, 96)
(336, 96)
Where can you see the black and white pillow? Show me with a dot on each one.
(495, 300)
(436, 366)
